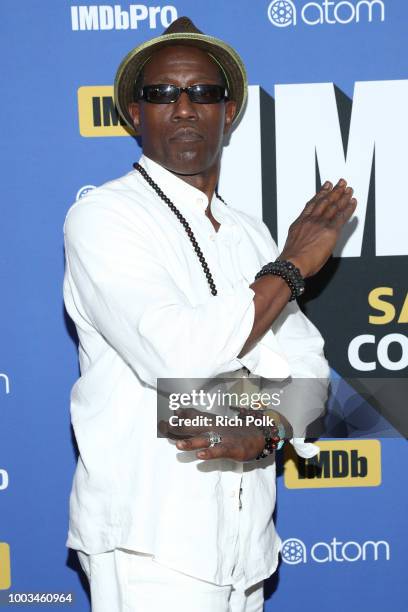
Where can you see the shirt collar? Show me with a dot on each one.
(183, 195)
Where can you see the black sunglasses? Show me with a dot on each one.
(166, 94)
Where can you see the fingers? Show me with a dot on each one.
(326, 195)
(325, 189)
(334, 206)
(337, 207)
(194, 443)
(201, 444)
(329, 199)
(344, 215)
(216, 452)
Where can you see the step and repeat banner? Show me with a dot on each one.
(328, 98)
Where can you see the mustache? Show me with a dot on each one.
(186, 133)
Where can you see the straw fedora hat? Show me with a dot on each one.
(181, 31)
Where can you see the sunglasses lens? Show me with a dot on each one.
(160, 94)
(207, 94)
(201, 94)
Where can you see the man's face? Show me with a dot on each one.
(184, 137)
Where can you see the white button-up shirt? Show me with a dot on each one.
(143, 310)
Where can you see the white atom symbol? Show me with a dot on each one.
(281, 13)
(292, 551)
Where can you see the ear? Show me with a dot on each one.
(134, 112)
(230, 110)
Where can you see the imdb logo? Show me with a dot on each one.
(340, 463)
(5, 572)
(97, 113)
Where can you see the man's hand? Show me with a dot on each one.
(239, 443)
(313, 236)
(310, 242)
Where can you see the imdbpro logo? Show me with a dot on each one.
(97, 113)
(106, 17)
(5, 572)
(340, 463)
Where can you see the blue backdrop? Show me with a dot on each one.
(344, 535)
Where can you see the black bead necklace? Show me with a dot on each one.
(183, 222)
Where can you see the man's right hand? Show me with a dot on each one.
(313, 236)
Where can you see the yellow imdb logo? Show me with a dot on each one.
(340, 463)
(5, 572)
(97, 113)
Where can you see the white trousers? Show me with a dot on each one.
(126, 581)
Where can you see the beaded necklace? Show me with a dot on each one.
(183, 222)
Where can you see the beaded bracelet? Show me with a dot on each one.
(274, 434)
(290, 274)
(274, 439)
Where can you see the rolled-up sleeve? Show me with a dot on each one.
(126, 292)
(305, 397)
(302, 346)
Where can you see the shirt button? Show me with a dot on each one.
(232, 494)
(212, 237)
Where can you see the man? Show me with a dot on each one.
(160, 284)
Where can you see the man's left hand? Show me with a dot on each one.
(237, 443)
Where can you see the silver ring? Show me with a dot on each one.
(214, 438)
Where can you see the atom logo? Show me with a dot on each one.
(282, 13)
(293, 551)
